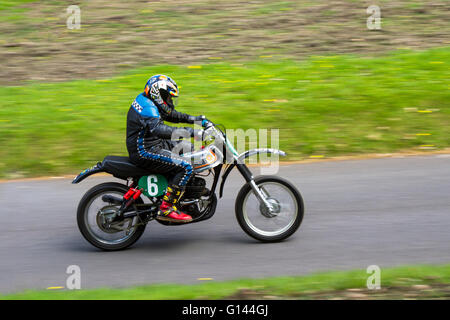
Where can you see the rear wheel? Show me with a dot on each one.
(96, 217)
(265, 225)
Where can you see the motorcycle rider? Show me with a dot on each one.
(148, 140)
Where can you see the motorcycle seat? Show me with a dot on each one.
(122, 168)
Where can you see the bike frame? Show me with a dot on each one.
(239, 163)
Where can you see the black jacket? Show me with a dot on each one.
(146, 130)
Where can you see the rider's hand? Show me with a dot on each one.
(200, 118)
(205, 122)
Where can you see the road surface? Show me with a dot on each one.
(388, 212)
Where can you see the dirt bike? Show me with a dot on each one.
(113, 216)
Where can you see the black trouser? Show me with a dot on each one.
(163, 160)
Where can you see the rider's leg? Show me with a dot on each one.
(163, 161)
(168, 210)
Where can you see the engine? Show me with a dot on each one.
(195, 188)
(196, 201)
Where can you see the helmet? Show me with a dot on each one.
(163, 91)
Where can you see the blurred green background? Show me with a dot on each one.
(310, 68)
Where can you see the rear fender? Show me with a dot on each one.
(88, 172)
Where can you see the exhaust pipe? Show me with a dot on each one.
(112, 199)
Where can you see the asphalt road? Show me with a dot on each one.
(387, 212)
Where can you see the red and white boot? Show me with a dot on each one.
(167, 210)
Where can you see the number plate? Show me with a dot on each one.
(154, 185)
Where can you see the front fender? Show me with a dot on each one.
(241, 159)
(252, 152)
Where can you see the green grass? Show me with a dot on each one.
(280, 286)
(325, 105)
(8, 4)
(12, 10)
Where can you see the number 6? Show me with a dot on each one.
(152, 186)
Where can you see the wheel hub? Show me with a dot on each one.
(105, 218)
(276, 208)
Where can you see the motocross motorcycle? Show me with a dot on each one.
(113, 216)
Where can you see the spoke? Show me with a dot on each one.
(275, 193)
(115, 233)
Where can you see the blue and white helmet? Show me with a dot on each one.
(163, 91)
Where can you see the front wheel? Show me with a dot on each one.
(274, 225)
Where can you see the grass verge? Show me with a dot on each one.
(425, 281)
(117, 35)
(324, 106)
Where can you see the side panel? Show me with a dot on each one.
(154, 185)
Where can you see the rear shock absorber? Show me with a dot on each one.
(129, 198)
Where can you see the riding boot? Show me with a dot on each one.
(168, 211)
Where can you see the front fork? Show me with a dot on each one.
(259, 193)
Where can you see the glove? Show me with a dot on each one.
(199, 118)
(205, 122)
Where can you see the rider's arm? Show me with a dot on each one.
(164, 131)
(177, 117)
